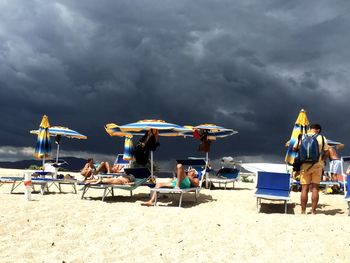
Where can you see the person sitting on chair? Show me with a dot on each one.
(182, 181)
(90, 169)
(117, 168)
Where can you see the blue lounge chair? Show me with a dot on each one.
(141, 177)
(347, 192)
(197, 163)
(119, 160)
(225, 176)
(273, 186)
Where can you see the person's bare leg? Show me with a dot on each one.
(180, 171)
(314, 197)
(333, 177)
(103, 167)
(150, 202)
(304, 197)
(108, 167)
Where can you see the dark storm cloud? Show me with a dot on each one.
(246, 65)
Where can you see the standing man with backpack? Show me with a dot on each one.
(313, 150)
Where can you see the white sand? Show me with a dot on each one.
(222, 227)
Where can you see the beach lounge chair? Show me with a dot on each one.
(121, 162)
(346, 182)
(272, 186)
(14, 180)
(47, 178)
(200, 165)
(347, 192)
(225, 176)
(141, 177)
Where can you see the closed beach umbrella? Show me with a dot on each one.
(43, 145)
(301, 126)
(211, 131)
(127, 155)
(58, 132)
(141, 127)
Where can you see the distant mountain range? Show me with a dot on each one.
(74, 164)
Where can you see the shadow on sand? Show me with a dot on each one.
(277, 208)
(188, 199)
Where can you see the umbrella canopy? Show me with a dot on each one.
(59, 131)
(212, 132)
(63, 131)
(141, 127)
(43, 145)
(301, 126)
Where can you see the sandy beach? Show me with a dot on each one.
(222, 227)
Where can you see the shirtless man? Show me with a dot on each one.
(89, 169)
(335, 164)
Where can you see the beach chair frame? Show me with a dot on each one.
(225, 176)
(109, 188)
(272, 186)
(197, 163)
(346, 178)
(15, 181)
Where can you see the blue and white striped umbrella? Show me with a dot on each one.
(213, 131)
(63, 131)
(141, 127)
(43, 145)
(301, 126)
(59, 131)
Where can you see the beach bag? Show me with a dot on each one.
(296, 163)
(309, 151)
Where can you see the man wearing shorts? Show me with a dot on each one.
(334, 164)
(310, 174)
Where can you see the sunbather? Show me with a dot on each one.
(182, 181)
(117, 168)
(120, 180)
(90, 169)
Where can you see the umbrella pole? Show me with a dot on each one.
(152, 164)
(58, 150)
(206, 173)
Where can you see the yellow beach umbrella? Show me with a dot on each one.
(301, 126)
(43, 145)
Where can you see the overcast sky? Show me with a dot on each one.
(247, 65)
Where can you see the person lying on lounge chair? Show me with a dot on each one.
(90, 169)
(120, 180)
(117, 168)
(182, 181)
